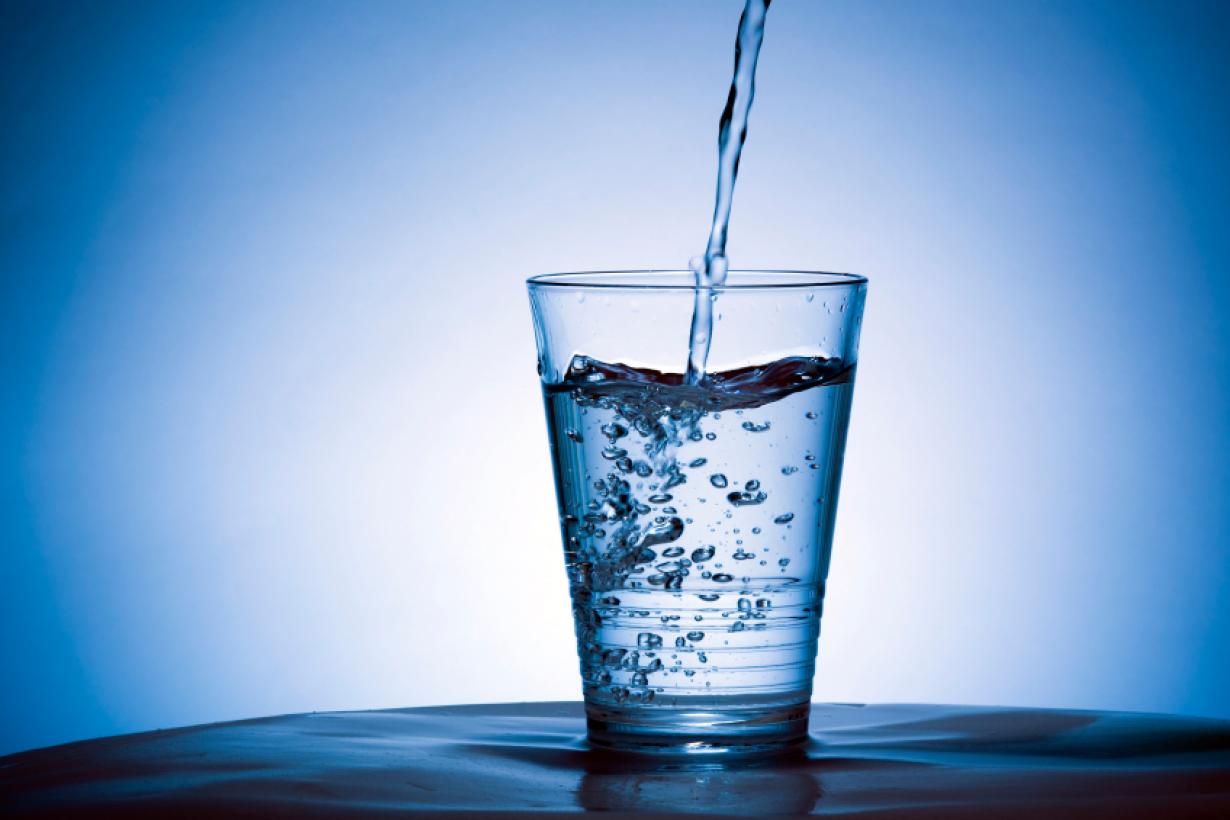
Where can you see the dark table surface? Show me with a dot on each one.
(531, 758)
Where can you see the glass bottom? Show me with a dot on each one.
(726, 726)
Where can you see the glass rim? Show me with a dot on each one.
(794, 279)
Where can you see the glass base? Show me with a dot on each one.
(715, 726)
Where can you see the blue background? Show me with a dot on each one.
(270, 436)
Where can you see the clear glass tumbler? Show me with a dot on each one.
(697, 518)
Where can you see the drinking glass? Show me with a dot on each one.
(697, 514)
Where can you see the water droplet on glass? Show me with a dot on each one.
(696, 636)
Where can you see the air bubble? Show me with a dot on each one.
(784, 518)
(718, 480)
(702, 554)
(663, 533)
(697, 462)
(723, 578)
(745, 498)
(696, 636)
(648, 640)
(575, 436)
(614, 431)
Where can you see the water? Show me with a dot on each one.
(711, 268)
(697, 520)
(899, 761)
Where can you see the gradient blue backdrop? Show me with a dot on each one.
(270, 435)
